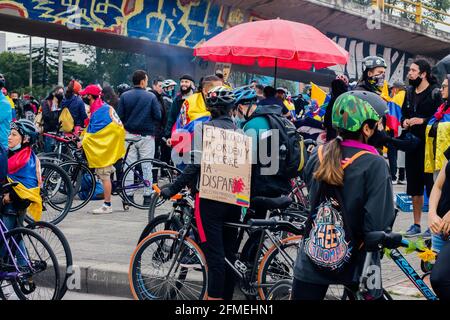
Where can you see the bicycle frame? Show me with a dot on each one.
(412, 275)
(5, 275)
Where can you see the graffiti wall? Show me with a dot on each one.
(397, 61)
(178, 22)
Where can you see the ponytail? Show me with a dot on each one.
(330, 168)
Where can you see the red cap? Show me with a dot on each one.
(91, 89)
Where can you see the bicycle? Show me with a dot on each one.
(130, 184)
(27, 263)
(178, 255)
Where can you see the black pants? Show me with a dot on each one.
(440, 275)
(308, 291)
(220, 243)
(392, 157)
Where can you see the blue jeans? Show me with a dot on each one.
(10, 222)
(437, 242)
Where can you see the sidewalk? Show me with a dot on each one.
(102, 246)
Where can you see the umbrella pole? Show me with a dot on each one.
(275, 76)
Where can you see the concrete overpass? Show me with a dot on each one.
(167, 30)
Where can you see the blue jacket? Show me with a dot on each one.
(140, 112)
(5, 120)
(77, 109)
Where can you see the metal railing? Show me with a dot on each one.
(420, 11)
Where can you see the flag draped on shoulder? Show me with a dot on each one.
(193, 111)
(394, 116)
(104, 139)
(24, 169)
(438, 141)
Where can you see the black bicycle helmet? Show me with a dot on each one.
(220, 96)
(372, 62)
(26, 128)
(121, 88)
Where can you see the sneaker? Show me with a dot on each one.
(103, 209)
(394, 181)
(402, 182)
(190, 261)
(413, 231)
(427, 234)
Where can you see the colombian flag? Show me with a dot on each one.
(290, 106)
(319, 95)
(394, 104)
(435, 147)
(192, 111)
(104, 139)
(24, 168)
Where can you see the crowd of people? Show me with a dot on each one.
(359, 121)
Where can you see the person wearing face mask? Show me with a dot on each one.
(75, 105)
(374, 70)
(349, 171)
(423, 101)
(51, 108)
(186, 90)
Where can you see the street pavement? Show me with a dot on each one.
(103, 244)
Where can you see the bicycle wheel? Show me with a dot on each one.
(165, 267)
(56, 194)
(161, 222)
(282, 290)
(277, 265)
(61, 248)
(83, 183)
(40, 277)
(136, 183)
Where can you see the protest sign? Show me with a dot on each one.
(226, 166)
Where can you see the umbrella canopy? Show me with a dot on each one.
(274, 43)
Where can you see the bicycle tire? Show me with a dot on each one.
(63, 186)
(282, 290)
(18, 285)
(64, 251)
(268, 265)
(160, 258)
(76, 171)
(132, 171)
(163, 221)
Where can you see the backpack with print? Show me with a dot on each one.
(329, 242)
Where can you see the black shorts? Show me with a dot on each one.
(416, 177)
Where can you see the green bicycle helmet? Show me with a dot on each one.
(352, 108)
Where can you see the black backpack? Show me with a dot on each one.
(292, 151)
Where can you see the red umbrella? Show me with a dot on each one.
(274, 43)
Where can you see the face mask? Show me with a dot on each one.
(59, 96)
(377, 81)
(86, 100)
(16, 147)
(416, 82)
(239, 122)
(15, 100)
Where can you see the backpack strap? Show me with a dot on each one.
(346, 162)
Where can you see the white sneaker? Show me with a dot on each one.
(394, 182)
(103, 209)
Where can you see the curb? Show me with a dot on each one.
(102, 279)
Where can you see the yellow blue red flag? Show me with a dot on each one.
(319, 95)
(435, 147)
(104, 139)
(24, 169)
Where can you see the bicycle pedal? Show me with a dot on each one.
(240, 266)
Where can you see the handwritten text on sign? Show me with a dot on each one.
(226, 166)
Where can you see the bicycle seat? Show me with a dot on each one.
(271, 203)
(133, 139)
(374, 241)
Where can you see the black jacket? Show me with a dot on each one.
(140, 112)
(50, 118)
(191, 173)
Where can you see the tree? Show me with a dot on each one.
(15, 68)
